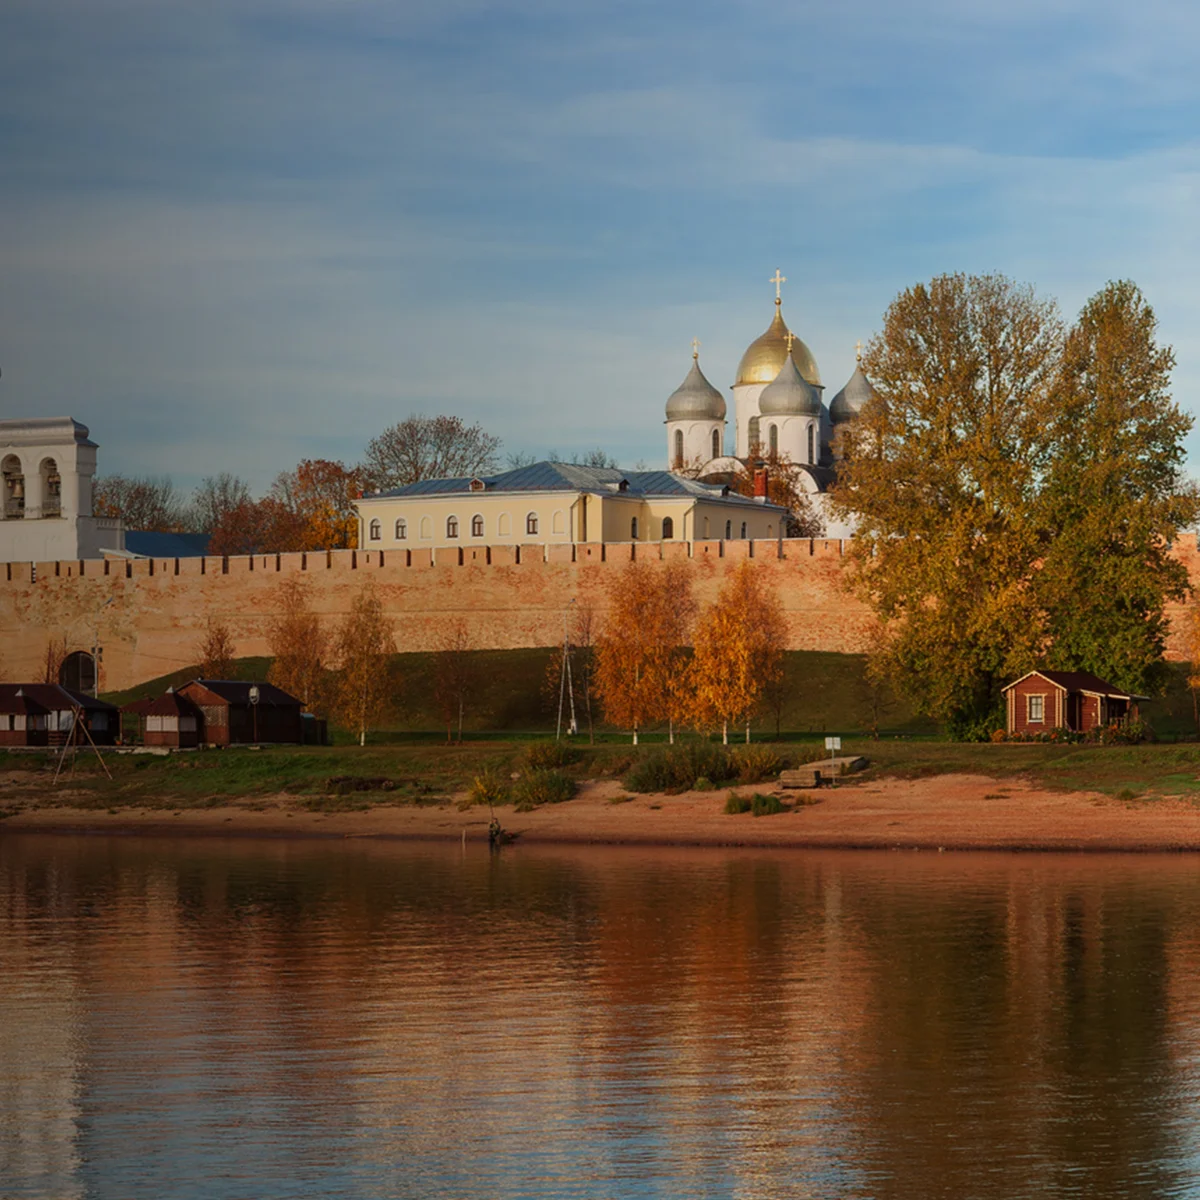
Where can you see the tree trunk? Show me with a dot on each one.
(635, 741)
(724, 733)
(460, 718)
(747, 733)
(1195, 710)
(671, 731)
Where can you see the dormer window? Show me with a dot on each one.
(623, 486)
(478, 485)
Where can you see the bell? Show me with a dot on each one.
(18, 488)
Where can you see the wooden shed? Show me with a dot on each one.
(168, 720)
(44, 714)
(230, 716)
(1074, 700)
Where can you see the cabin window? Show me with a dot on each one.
(477, 526)
(679, 448)
(154, 724)
(716, 443)
(810, 445)
(376, 531)
(401, 530)
(452, 527)
(728, 530)
(668, 528)
(531, 523)
(1036, 711)
(774, 439)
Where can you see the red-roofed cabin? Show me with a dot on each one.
(56, 720)
(168, 720)
(230, 717)
(1074, 700)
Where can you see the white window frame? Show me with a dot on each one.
(1040, 719)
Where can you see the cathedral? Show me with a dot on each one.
(778, 410)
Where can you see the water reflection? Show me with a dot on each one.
(280, 1019)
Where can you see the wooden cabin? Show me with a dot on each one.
(168, 720)
(1074, 700)
(44, 714)
(229, 716)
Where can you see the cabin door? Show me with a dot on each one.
(1075, 712)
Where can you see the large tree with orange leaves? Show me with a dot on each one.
(321, 492)
(641, 650)
(739, 652)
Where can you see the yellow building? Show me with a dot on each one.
(562, 502)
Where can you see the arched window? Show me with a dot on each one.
(78, 672)
(668, 528)
(51, 489)
(633, 529)
(376, 530)
(810, 443)
(679, 447)
(452, 527)
(504, 526)
(716, 443)
(401, 530)
(477, 526)
(753, 434)
(531, 523)
(728, 530)
(14, 486)
(773, 435)
(426, 528)
(743, 529)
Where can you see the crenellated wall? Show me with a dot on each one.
(509, 597)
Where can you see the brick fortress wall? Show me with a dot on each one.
(509, 597)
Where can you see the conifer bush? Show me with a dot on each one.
(677, 768)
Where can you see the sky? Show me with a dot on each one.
(238, 233)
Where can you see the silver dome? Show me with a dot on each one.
(851, 400)
(695, 399)
(789, 394)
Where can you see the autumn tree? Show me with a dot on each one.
(785, 487)
(363, 649)
(1114, 497)
(641, 647)
(738, 651)
(455, 676)
(320, 494)
(56, 653)
(216, 497)
(216, 650)
(298, 644)
(1192, 636)
(143, 502)
(422, 447)
(257, 527)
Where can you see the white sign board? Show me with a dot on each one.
(834, 743)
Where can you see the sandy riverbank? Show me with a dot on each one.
(950, 812)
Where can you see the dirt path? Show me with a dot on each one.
(951, 812)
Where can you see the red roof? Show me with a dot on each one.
(52, 696)
(1078, 681)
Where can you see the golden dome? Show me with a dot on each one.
(765, 356)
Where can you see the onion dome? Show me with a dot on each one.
(695, 399)
(851, 400)
(789, 394)
(764, 356)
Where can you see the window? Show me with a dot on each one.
(633, 529)
(187, 724)
(154, 724)
(477, 526)
(452, 527)
(668, 528)
(743, 529)
(401, 530)
(810, 444)
(679, 447)
(1036, 711)
(716, 443)
(426, 528)
(754, 437)
(376, 531)
(773, 435)
(728, 530)
(531, 523)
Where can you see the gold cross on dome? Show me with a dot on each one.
(777, 279)
(858, 350)
(791, 337)
(695, 347)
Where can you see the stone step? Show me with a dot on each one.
(812, 775)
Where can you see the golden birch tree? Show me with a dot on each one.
(738, 652)
(299, 645)
(641, 648)
(363, 649)
(216, 650)
(454, 676)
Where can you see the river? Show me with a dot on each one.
(225, 1018)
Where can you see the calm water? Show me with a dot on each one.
(267, 1019)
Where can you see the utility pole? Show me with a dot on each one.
(564, 681)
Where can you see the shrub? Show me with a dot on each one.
(676, 768)
(541, 787)
(542, 755)
(703, 784)
(765, 806)
(737, 804)
(998, 736)
(488, 787)
(757, 762)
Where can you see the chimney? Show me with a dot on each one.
(760, 485)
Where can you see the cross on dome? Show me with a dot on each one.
(777, 279)
(695, 348)
(791, 337)
(858, 350)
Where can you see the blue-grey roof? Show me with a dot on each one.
(560, 477)
(166, 545)
(789, 393)
(852, 399)
(695, 399)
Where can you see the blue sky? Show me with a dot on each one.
(234, 233)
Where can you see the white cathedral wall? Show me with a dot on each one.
(697, 442)
(745, 406)
(822, 504)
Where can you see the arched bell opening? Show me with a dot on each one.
(13, 477)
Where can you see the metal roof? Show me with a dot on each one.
(1078, 681)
